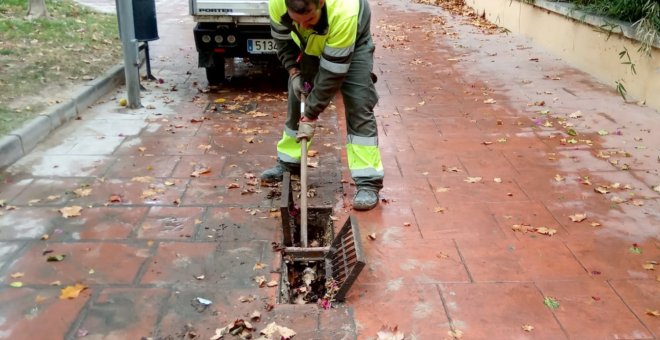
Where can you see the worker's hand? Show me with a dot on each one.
(306, 129)
(297, 85)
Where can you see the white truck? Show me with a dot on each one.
(228, 29)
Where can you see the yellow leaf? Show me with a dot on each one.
(72, 292)
(72, 211)
(219, 101)
(16, 284)
(81, 192)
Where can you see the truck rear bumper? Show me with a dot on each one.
(228, 39)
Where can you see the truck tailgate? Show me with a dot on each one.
(258, 8)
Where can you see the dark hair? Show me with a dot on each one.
(301, 6)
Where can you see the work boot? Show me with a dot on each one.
(365, 199)
(276, 173)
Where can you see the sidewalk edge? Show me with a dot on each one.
(21, 141)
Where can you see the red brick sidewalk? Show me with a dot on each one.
(478, 173)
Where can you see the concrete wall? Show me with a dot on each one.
(583, 45)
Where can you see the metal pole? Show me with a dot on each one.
(303, 183)
(130, 47)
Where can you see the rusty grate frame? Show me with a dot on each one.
(345, 259)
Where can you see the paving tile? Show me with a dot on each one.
(530, 213)
(124, 313)
(139, 166)
(237, 166)
(542, 185)
(488, 164)
(244, 145)
(170, 223)
(61, 165)
(99, 223)
(160, 128)
(590, 309)
(87, 263)
(236, 224)
(613, 258)
(411, 190)
(513, 260)
(337, 323)
(180, 263)
(460, 187)
(28, 223)
(484, 311)
(47, 192)
(26, 311)
(458, 221)
(427, 163)
(157, 146)
(10, 188)
(640, 296)
(213, 192)
(189, 165)
(162, 191)
(230, 264)
(410, 261)
(418, 311)
(8, 253)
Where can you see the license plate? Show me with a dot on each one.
(261, 46)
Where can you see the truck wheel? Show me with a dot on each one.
(215, 75)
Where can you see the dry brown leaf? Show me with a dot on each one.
(72, 211)
(142, 179)
(559, 178)
(472, 180)
(497, 180)
(456, 333)
(259, 265)
(649, 265)
(72, 292)
(528, 328)
(601, 190)
(114, 199)
(546, 231)
(246, 298)
(261, 281)
(312, 153)
(200, 171)
(82, 192)
(233, 186)
(595, 224)
(578, 217)
(439, 210)
(272, 283)
(638, 202)
(442, 189)
(653, 312)
(372, 236)
(490, 101)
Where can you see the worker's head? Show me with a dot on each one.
(306, 13)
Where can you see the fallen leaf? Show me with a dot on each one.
(56, 258)
(114, 199)
(17, 275)
(546, 231)
(635, 249)
(259, 265)
(472, 179)
(653, 312)
(601, 190)
(142, 179)
(248, 298)
(407, 224)
(649, 265)
(656, 188)
(72, 292)
(578, 217)
(200, 171)
(638, 202)
(595, 224)
(528, 328)
(271, 283)
(558, 178)
(387, 333)
(439, 210)
(490, 101)
(497, 180)
(72, 211)
(233, 185)
(372, 236)
(456, 333)
(312, 153)
(442, 189)
(576, 114)
(603, 132)
(261, 281)
(255, 316)
(272, 328)
(16, 284)
(219, 101)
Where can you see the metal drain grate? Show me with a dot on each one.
(345, 260)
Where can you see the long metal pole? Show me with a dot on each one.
(303, 183)
(130, 47)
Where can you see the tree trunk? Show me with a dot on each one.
(36, 9)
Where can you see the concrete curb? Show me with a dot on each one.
(21, 141)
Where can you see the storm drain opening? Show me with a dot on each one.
(324, 271)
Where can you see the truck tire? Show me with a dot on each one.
(215, 75)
